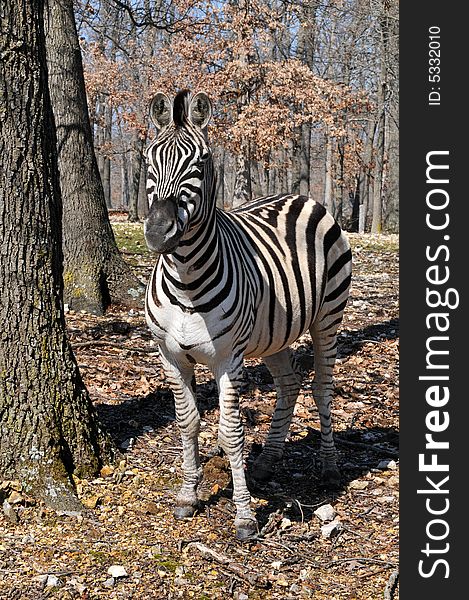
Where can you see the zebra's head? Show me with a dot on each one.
(180, 169)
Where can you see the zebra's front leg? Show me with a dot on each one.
(287, 384)
(231, 440)
(182, 383)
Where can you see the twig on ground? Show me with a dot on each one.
(238, 570)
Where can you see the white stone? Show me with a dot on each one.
(52, 581)
(387, 464)
(330, 529)
(325, 513)
(117, 571)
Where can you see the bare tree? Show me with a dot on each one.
(95, 274)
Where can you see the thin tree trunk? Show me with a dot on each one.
(125, 181)
(95, 273)
(382, 142)
(328, 185)
(243, 185)
(136, 168)
(48, 428)
(106, 175)
(365, 178)
(378, 178)
(242, 191)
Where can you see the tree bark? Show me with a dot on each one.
(136, 168)
(329, 181)
(95, 273)
(48, 429)
(106, 175)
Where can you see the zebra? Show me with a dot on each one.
(232, 285)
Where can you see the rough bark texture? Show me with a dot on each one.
(94, 272)
(47, 424)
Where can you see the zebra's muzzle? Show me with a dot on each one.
(161, 230)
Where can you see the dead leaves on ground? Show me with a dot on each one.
(128, 521)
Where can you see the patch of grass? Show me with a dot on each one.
(130, 239)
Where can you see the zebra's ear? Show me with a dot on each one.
(200, 110)
(161, 110)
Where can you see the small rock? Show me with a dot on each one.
(285, 523)
(325, 513)
(52, 581)
(15, 497)
(330, 529)
(276, 564)
(117, 571)
(358, 484)
(42, 579)
(387, 464)
(109, 583)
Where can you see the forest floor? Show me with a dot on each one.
(128, 522)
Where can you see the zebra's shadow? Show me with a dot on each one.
(296, 489)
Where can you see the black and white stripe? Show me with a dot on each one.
(232, 285)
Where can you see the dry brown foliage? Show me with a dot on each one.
(128, 521)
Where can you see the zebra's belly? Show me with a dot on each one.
(262, 344)
(275, 329)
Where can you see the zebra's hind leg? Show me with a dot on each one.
(231, 439)
(324, 335)
(287, 384)
(181, 380)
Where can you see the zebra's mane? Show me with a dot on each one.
(181, 108)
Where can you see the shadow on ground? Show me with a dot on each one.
(296, 486)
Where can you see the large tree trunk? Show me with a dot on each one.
(47, 425)
(95, 274)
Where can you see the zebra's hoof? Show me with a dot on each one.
(184, 512)
(246, 529)
(331, 478)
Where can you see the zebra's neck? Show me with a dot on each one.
(199, 247)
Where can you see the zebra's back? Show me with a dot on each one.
(302, 258)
